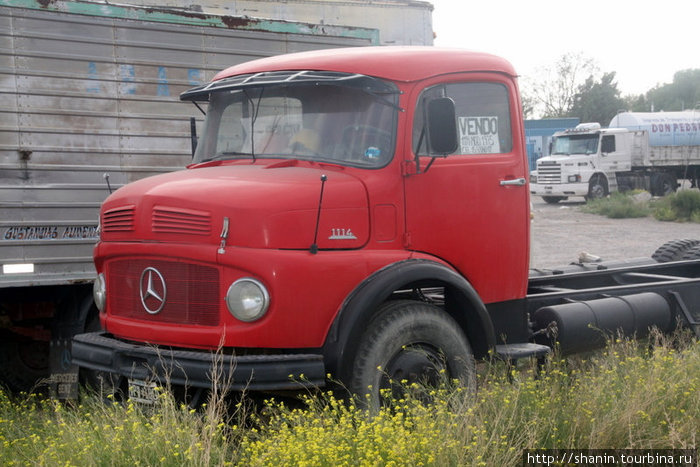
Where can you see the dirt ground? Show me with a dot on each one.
(560, 232)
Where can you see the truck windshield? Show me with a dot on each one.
(575, 144)
(324, 121)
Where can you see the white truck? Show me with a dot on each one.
(648, 151)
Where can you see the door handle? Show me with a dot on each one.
(515, 182)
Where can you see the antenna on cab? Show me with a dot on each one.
(313, 249)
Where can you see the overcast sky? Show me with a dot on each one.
(644, 42)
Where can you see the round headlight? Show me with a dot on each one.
(247, 299)
(99, 292)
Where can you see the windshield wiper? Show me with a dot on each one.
(225, 154)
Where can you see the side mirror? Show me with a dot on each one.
(442, 126)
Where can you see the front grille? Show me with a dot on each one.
(119, 219)
(180, 221)
(548, 172)
(191, 298)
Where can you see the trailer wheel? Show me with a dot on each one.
(663, 184)
(553, 199)
(692, 253)
(410, 342)
(23, 363)
(597, 187)
(673, 250)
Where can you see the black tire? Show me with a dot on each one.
(23, 363)
(663, 184)
(692, 253)
(410, 341)
(673, 250)
(597, 187)
(553, 199)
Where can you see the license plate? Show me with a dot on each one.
(143, 392)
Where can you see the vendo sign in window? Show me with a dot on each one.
(478, 135)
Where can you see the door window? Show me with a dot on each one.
(482, 114)
(608, 144)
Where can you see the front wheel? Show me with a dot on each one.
(597, 187)
(411, 342)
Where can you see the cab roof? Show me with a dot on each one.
(399, 63)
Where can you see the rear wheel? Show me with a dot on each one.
(663, 184)
(674, 250)
(410, 342)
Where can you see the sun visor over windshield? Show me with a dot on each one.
(275, 78)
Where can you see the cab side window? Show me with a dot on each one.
(608, 144)
(482, 114)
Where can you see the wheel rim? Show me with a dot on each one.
(418, 363)
(666, 187)
(597, 189)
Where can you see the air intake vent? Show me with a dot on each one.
(181, 221)
(118, 219)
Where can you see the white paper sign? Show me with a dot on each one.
(479, 135)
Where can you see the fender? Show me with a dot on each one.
(461, 301)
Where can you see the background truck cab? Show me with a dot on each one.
(648, 151)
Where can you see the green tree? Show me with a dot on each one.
(681, 94)
(597, 100)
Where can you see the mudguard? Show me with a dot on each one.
(461, 299)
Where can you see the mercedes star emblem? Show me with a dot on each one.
(153, 290)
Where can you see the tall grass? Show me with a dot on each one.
(628, 396)
(617, 206)
(683, 206)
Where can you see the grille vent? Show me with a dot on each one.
(192, 296)
(119, 219)
(549, 173)
(180, 221)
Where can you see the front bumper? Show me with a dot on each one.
(102, 352)
(556, 189)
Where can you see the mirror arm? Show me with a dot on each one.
(200, 108)
(427, 167)
(420, 142)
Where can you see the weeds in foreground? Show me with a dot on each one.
(683, 206)
(630, 395)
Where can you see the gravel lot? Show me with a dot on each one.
(560, 232)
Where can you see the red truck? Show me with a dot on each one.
(362, 213)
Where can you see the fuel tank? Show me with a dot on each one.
(585, 325)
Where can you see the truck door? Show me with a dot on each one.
(471, 208)
(615, 153)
